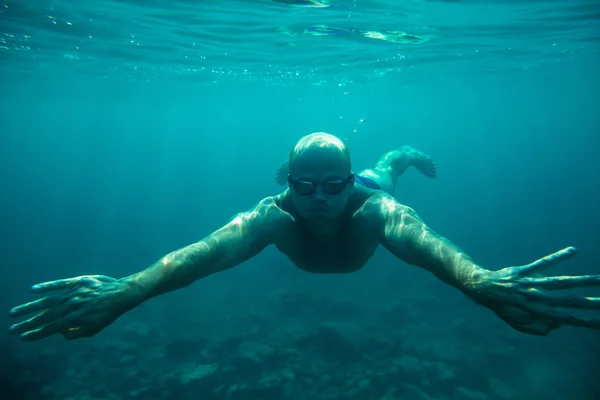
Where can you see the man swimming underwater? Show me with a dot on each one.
(328, 221)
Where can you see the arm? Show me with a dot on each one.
(527, 302)
(406, 236)
(246, 235)
(90, 303)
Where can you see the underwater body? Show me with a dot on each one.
(133, 129)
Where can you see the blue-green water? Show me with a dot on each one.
(210, 41)
(130, 129)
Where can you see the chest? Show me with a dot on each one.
(345, 252)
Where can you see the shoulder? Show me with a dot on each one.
(260, 225)
(381, 208)
(270, 214)
(285, 204)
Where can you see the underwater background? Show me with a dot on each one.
(129, 129)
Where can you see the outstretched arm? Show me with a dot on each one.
(246, 235)
(527, 303)
(405, 235)
(88, 304)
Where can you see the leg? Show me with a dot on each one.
(393, 164)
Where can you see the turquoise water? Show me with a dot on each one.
(129, 129)
(209, 41)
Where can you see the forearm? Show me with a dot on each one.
(177, 270)
(443, 259)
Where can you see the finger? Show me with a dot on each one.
(41, 319)
(34, 306)
(47, 330)
(563, 318)
(561, 282)
(547, 261)
(60, 284)
(563, 300)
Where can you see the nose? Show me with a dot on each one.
(319, 195)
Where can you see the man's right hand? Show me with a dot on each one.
(86, 305)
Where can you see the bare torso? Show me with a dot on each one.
(346, 251)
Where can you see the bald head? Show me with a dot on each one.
(323, 144)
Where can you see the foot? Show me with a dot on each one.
(282, 173)
(422, 162)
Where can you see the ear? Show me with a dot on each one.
(351, 180)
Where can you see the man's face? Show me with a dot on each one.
(320, 171)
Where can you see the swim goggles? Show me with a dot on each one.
(333, 186)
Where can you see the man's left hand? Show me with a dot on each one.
(532, 304)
